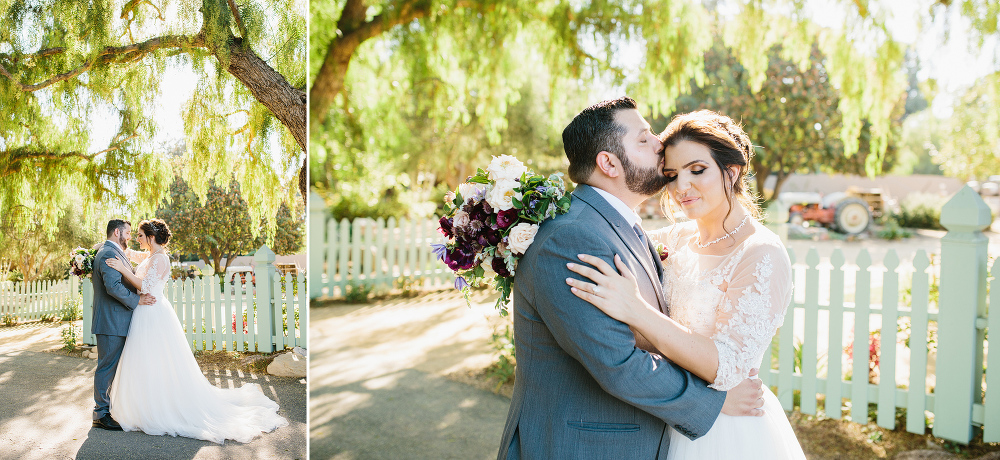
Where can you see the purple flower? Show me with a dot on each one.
(507, 218)
(460, 283)
(533, 203)
(439, 250)
(500, 267)
(541, 189)
(445, 228)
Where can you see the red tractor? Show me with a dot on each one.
(850, 212)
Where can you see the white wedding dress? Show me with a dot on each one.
(159, 388)
(739, 300)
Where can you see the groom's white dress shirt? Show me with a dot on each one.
(117, 246)
(629, 214)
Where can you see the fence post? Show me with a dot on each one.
(88, 313)
(264, 272)
(963, 299)
(317, 241)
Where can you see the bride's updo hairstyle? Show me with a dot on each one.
(729, 145)
(156, 228)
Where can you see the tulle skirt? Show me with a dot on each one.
(769, 437)
(159, 388)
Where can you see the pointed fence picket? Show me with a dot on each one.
(809, 356)
(211, 309)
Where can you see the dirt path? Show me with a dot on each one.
(380, 386)
(45, 412)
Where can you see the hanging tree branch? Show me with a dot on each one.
(110, 54)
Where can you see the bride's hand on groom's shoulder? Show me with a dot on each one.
(615, 292)
(115, 264)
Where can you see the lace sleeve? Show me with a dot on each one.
(158, 272)
(751, 311)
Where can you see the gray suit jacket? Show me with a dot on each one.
(114, 299)
(583, 389)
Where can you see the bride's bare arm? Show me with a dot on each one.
(618, 296)
(127, 274)
(136, 257)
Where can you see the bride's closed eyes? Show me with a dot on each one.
(672, 176)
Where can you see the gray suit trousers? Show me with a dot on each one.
(109, 351)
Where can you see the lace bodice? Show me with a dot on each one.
(737, 299)
(154, 271)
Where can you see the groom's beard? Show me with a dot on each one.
(643, 181)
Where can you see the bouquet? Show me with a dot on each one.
(81, 262)
(491, 220)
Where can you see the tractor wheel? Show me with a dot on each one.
(795, 218)
(852, 216)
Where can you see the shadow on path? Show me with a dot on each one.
(379, 389)
(45, 413)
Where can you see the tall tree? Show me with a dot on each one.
(68, 69)
(792, 118)
(221, 227)
(460, 63)
(971, 145)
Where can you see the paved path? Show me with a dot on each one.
(379, 389)
(47, 399)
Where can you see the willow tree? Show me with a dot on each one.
(69, 69)
(456, 64)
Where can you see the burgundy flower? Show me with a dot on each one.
(460, 258)
(500, 267)
(445, 228)
(663, 256)
(507, 218)
(492, 237)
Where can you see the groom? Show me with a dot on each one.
(114, 301)
(586, 386)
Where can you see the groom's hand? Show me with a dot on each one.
(747, 398)
(146, 299)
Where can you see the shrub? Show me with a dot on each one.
(72, 310)
(922, 210)
(69, 337)
(357, 293)
(9, 320)
(891, 230)
(506, 362)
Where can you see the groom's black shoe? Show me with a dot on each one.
(107, 423)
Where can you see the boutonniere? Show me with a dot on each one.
(661, 250)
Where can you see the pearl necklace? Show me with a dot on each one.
(727, 235)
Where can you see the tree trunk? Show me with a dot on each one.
(288, 104)
(354, 30)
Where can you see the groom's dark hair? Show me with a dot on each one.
(115, 224)
(592, 131)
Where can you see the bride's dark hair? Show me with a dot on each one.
(156, 228)
(729, 146)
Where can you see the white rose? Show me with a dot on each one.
(468, 190)
(79, 259)
(521, 236)
(449, 197)
(461, 219)
(501, 197)
(488, 267)
(506, 167)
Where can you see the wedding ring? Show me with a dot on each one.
(596, 288)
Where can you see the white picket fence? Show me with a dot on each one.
(213, 317)
(834, 307)
(32, 300)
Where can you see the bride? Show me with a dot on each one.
(158, 387)
(728, 282)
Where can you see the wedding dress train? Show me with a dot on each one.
(159, 388)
